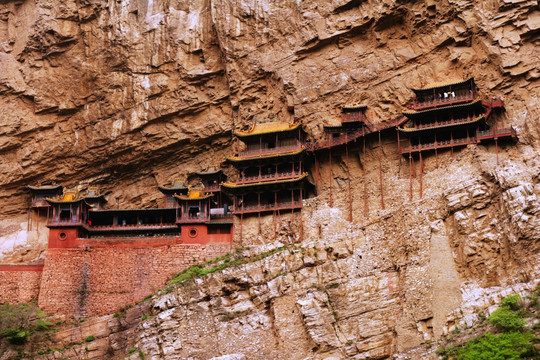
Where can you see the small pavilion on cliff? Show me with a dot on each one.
(38, 203)
(272, 170)
(177, 187)
(447, 116)
(199, 221)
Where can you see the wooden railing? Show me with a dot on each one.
(270, 151)
(64, 223)
(444, 123)
(132, 226)
(268, 177)
(192, 219)
(353, 117)
(476, 138)
(284, 205)
(426, 104)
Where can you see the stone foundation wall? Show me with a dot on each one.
(93, 282)
(19, 283)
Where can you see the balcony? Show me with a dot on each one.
(270, 151)
(192, 219)
(434, 101)
(256, 208)
(268, 177)
(64, 223)
(490, 134)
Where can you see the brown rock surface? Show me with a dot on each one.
(127, 95)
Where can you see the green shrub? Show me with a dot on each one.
(132, 351)
(506, 346)
(511, 302)
(506, 320)
(89, 339)
(15, 336)
(43, 325)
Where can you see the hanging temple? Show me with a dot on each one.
(278, 169)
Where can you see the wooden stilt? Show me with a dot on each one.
(398, 147)
(380, 171)
(451, 143)
(316, 175)
(497, 150)
(349, 181)
(301, 219)
(241, 219)
(436, 157)
(331, 178)
(259, 204)
(275, 222)
(421, 172)
(410, 176)
(366, 210)
(274, 219)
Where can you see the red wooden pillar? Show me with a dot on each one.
(316, 174)
(241, 219)
(436, 156)
(398, 146)
(259, 206)
(331, 177)
(380, 171)
(301, 219)
(421, 172)
(410, 175)
(366, 211)
(349, 181)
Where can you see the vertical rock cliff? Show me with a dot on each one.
(127, 95)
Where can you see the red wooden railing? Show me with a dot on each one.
(132, 226)
(285, 205)
(268, 177)
(476, 138)
(426, 104)
(270, 151)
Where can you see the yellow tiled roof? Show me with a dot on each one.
(67, 196)
(194, 194)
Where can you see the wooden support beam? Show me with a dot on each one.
(436, 157)
(316, 175)
(241, 219)
(366, 210)
(380, 171)
(421, 172)
(410, 175)
(349, 181)
(331, 177)
(497, 150)
(398, 146)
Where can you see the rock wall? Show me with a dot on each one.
(19, 283)
(93, 282)
(127, 95)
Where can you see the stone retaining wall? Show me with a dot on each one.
(19, 283)
(98, 281)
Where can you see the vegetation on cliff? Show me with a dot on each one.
(510, 338)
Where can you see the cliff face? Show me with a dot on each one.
(127, 95)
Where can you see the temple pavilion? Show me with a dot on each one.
(450, 115)
(272, 169)
(177, 187)
(200, 221)
(446, 116)
(43, 191)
